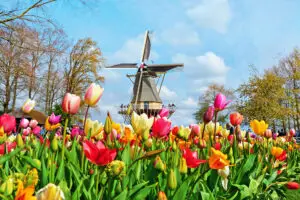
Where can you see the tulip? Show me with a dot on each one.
(50, 191)
(209, 114)
(8, 122)
(33, 123)
(182, 166)
(195, 129)
(71, 103)
(7, 187)
(162, 196)
(53, 125)
(161, 127)
(220, 102)
(26, 131)
(8, 145)
(36, 130)
(164, 112)
(230, 138)
(292, 132)
(26, 193)
(217, 160)
(184, 132)
(236, 118)
(202, 143)
(24, 123)
(217, 146)
(159, 164)
(20, 141)
(94, 126)
(268, 133)
(293, 185)
(259, 127)
(278, 153)
(116, 168)
(28, 106)
(191, 158)
(172, 181)
(98, 153)
(141, 123)
(53, 119)
(93, 94)
(175, 130)
(224, 173)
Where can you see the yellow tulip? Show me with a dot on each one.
(50, 192)
(93, 94)
(141, 123)
(94, 126)
(259, 127)
(276, 151)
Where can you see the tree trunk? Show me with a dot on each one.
(47, 103)
(15, 90)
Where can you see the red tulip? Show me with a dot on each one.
(220, 102)
(218, 146)
(209, 114)
(8, 123)
(161, 127)
(282, 156)
(230, 138)
(236, 118)
(191, 158)
(98, 153)
(71, 103)
(292, 132)
(175, 130)
(8, 145)
(292, 185)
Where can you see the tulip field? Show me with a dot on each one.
(150, 158)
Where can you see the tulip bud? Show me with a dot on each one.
(231, 155)
(195, 129)
(182, 166)
(159, 164)
(116, 168)
(145, 135)
(20, 141)
(54, 144)
(32, 177)
(37, 162)
(172, 182)
(293, 185)
(268, 133)
(184, 132)
(93, 94)
(175, 130)
(202, 143)
(220, 102)
(209, 114)
(162, 196)
(7, 187)
(230, 139)
(149, 142)
(28, 106)
(119, 187)
(108, 124)
(24, 123)
(217, 146)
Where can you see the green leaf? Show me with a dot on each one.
(253, 186)
(246, 167)
(61, 172)
(9, 156)
(77, 193)
(143, 193)
(244, 190)
(122, 195)
(182, 191)
(137, 187)
(64, 187)
(30, 161)
(126, 155)
(44, 172)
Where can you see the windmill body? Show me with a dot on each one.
(146, 97)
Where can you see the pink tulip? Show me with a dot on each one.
(164, 112)
(161, 127)
(71, 103)
(209, 114)
(292, 132)
(195, 129)
(53, 119)
(26, 131)
(36, 130)
(220, 102)
(76, 132)
(24, 123)
(93, 94)
(33, 123)
(8, 122)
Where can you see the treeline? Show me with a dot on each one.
(38, 61)
(272, 96)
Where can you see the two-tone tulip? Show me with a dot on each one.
(28, 106)
(71, 103)
(93, 94)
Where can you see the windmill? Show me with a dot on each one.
(145, 90)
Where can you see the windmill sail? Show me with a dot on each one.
(147, 47)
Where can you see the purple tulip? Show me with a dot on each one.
(220, 102)
(209, 114)
(53, 119)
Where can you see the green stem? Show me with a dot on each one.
(64, 137)
(215, 130)
(86, 113)
(203, 130)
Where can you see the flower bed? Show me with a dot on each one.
(149, 159)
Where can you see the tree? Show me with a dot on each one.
(261, 98)
(207, 98)
(85, 61)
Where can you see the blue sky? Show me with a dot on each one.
(216, 40)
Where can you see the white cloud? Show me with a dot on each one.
(180, 34)
(190, 102)
(214, 14)
(166, 94)
(131, 51)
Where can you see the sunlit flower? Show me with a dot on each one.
(8, 122)
(54, 119)
(224, 173)
(94, 126)
(128, 135)
(191, 158)
(164, 112)
(236, 118)
(50, 192)
(161, 127)
(50, 126)
(279, 153)
(217, 160)
(220, 102)
(28, 106)
(24, 123)
(141, 123)
(93, 94)
(25, 194)
(259, 127)
(33, 123)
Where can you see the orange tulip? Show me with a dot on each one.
(217, 160)
(276, 151)
(24, 194)
(236, 118)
